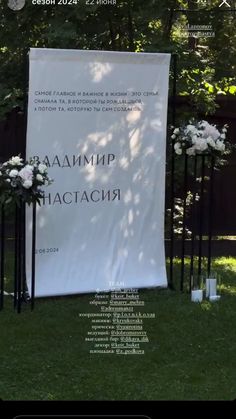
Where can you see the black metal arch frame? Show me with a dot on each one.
(20, 288)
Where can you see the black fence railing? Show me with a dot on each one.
(20, 290)
(201, 182)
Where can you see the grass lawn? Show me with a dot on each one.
(191, 354)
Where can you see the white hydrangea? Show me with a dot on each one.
(211, 131)
(26, 173)
(211, 142)
(203, 124)
(194, 138)
(201, 144)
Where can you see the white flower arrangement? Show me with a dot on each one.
(200, 138)
(21, 181)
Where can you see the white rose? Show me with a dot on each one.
(191, 151)
(173, 137)
(177, 146)
(179, 151)
(191, 128)
(13, 173)
(39, 178)
(42, 168)
(15, 161)
(176, 131)
(27, 184)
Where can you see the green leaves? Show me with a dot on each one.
(232, 90)
(206, 67)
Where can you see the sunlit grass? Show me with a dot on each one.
(223, 268)
(226, 263)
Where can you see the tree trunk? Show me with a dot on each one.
(112, 34)
(192, 41)
(130, 30)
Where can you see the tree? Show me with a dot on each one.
(205, 67)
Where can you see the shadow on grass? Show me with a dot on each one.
(223, 268)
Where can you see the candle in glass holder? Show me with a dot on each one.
(213, 298)
(210, 287)
(196, 296)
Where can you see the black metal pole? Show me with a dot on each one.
(33, 256)
(210, 215)
(25, 105)
(193, 223)
(16, 261)
(184, 221)
(26, 88)
(2, 256)
(172, 175)
(25, 289)
(19, 267)
(201, 217)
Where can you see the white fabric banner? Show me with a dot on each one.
(98, 120)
